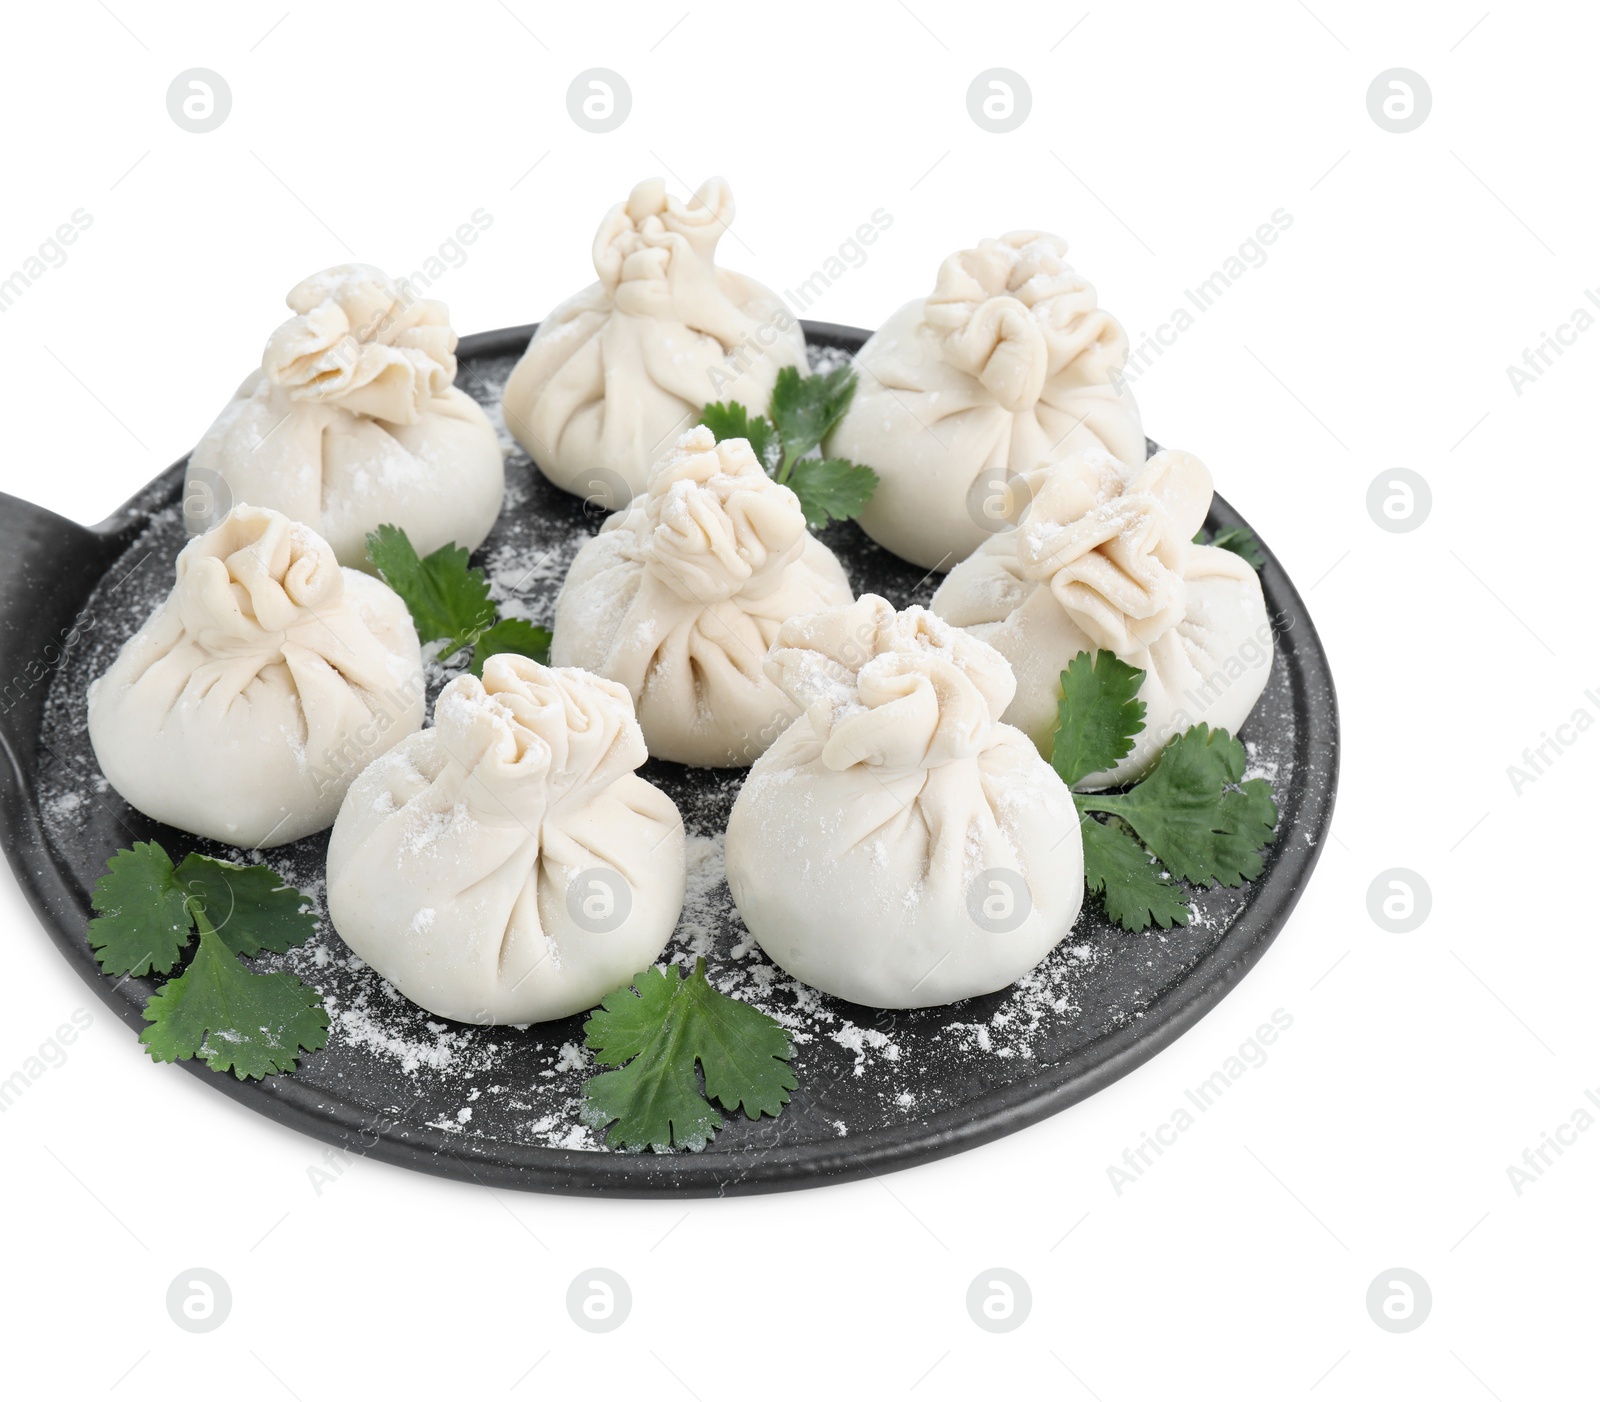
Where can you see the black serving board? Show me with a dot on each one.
(878, 1090)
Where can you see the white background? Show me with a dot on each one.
(1376, 336)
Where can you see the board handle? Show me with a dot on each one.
(27, 528)
(48, 568)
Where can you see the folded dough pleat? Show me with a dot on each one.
(508, 865)
(1008, 364)
(898, 845)
(680, 596)
(266, 681)
(353, 421)
(1104, 560)
(619, 370)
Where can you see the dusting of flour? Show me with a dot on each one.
(859, 1069)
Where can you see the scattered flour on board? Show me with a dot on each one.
(525, 1085)
(705, 893)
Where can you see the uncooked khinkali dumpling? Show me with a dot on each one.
(679, 597)
(354, 421)
(257, 692)
(508, 865)
(1009, 364)
(617, 372)
(898, 846)
(1104, 559)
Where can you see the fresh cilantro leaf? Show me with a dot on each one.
(734, 421)
(143, 922)
(656, 1032)
(250, 908)
(511, 635)
(804, 411)
(1203, 821)
(806, 408)
(831, 489)
(448, 599)
(1137, 892)
(232, 1019)
(1238, 539)
(730, 420)
(1197, 813)
(249, 1023)
(1098, 715)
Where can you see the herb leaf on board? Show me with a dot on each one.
(231, 1018)
(448, 600)
(1098, 716)
(803, 410)
(806, 408)
(831, 489)
(217, 1008)
(1136, 891)
(1197, 812)
(142, 924)
(656, 1033)
(1239, 539)
(734, 421)
(250, 908)
(511, 635)
(1193, 818)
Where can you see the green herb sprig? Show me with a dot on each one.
(802, 412)
(448, 599)
(1241, 540)
(663, 1033)
(1194, 818)
(217, 1009)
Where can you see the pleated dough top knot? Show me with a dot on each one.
(717, 526)
(653, 248)
(1013, 315)
(1112, 541)
(893, 691)
(535, 738)
(253, 579)
(362, 342)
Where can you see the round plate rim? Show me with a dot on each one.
(710, 1174)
